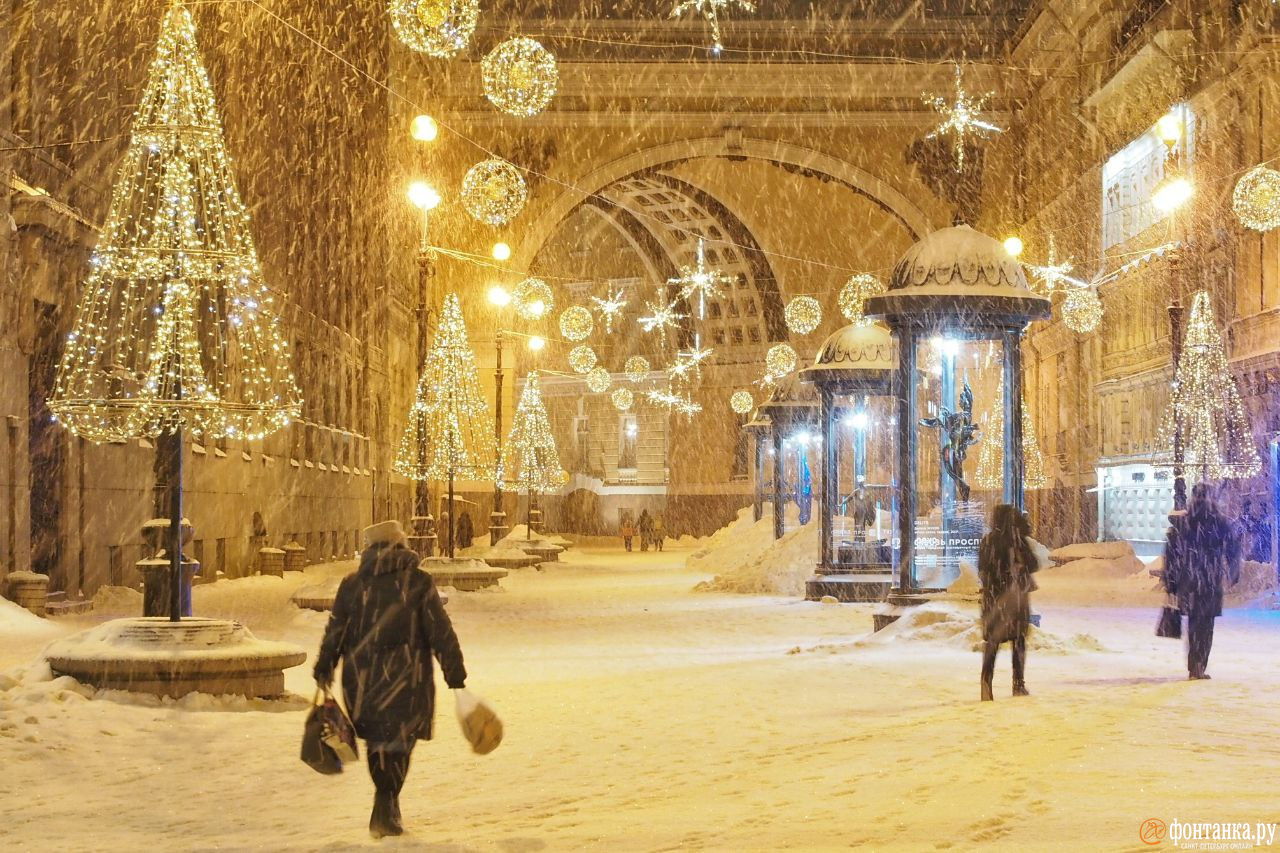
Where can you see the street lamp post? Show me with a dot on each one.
(500, 298)
(426, 199)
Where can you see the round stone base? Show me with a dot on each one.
(462, 574)
(154, 655)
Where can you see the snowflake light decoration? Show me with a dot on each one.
(961, 118)
(661, 317)
(700, 281)
(710, 9)
(1051, 273)
(680, 369)
(610, 307)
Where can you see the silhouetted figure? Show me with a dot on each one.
(628, 531)
(1005, 565)
(466, 532)
(1202, 556)
(444, 529)
(387, 624)
(645, 526)
(659, 531)
(1256, 532)
(862, 512)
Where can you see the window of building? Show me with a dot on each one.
(1131, 175)
(628, 432)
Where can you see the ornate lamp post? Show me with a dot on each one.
(424, 197)
(500, 298)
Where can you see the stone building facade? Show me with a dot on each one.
(798, 167)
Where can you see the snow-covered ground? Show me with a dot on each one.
(643, 715)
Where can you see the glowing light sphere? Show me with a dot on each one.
(533, 299)
(853, 296)
(1256, 200)
(501, 251)
(494, 191)
(582, 358)
(435, 27)
(741, 401)
(1013, 246)
(576, 323)
(520, 77)
(424, 128)
(622, 399)
(803, 314)
(636, 368)
(1082, 310)
(780, 360)
(599, 380)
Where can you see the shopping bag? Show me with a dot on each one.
(480, 725)
(1170, 624)
(328, 738)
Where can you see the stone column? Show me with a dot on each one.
(905, 391)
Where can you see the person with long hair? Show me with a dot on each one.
(1208, 559)
(1005, 566)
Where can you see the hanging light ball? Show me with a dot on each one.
(519, 77)
(435, 27)
(780, 360)
(599, 380)
(803, 314)
(494, 191)
(1082, 310)
(741, 401)
(636, 368)
(576, 323)
(853, 296)
(533, 299)
(1256, 199)
(622, 399)
(582, 358)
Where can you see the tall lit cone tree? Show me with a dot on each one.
(530, 462)
(990, 471)
(176, 331)
(450, 431)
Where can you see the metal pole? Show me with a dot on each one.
(426, 270)
(496, 517)
(1013, 461)
(175, 523)
(12, 422)
(1175, 352)
(453, 524)
(907, 451)
(778, 505)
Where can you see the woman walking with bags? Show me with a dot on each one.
(387, 624)
(1005, 565)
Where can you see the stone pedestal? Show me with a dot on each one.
(167, 658)
(462, 574)
(271, 562)
(295, 557)
(29, 590)
(422, 536)
(497, 527)
(545, 551)
(156, 572)
(535, 520)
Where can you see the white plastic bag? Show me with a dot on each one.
(1043, 560)
(480, 725)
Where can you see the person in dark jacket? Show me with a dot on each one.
(1005, 565)
(387, 624)
(466, 532)
(1201, 558)
(645, 526)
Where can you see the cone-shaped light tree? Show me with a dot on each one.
(1204, 411)
(450, 431)
(530, 462)
(176, 329)
(990, 472)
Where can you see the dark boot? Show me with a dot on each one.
(1020, 667)
(388, 769)
(988, 669)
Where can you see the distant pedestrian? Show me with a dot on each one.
(659, 531)
(466, 532)
(1005, 566)
(645, 526)
(1202, 557)
(444, 528)
(1256, 529)
(387, 624)
(628, 531)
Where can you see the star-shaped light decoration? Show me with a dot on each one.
(610, 306)
(700, 280)
(662, 316)
(1052, 273)
(710, 9)
(680, 368)
(961, 118)
(692, 359)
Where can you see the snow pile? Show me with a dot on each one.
(747, 559)
(15, 619)
(1258, 587)
(1099, 559)
(959, 625)
(155, 638)
(725, 536)
(117, 601)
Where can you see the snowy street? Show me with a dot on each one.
(641, 715)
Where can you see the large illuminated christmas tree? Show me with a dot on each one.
(1204, 410)
(450, 432)
(176, 329)
(990, 472)
(530, 462)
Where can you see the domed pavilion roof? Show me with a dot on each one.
(856, 354)
(960, 280)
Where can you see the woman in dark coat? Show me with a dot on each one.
(1005, 565)
(645, 526)
(387, 624)
(1202, 556)
(466, 531)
